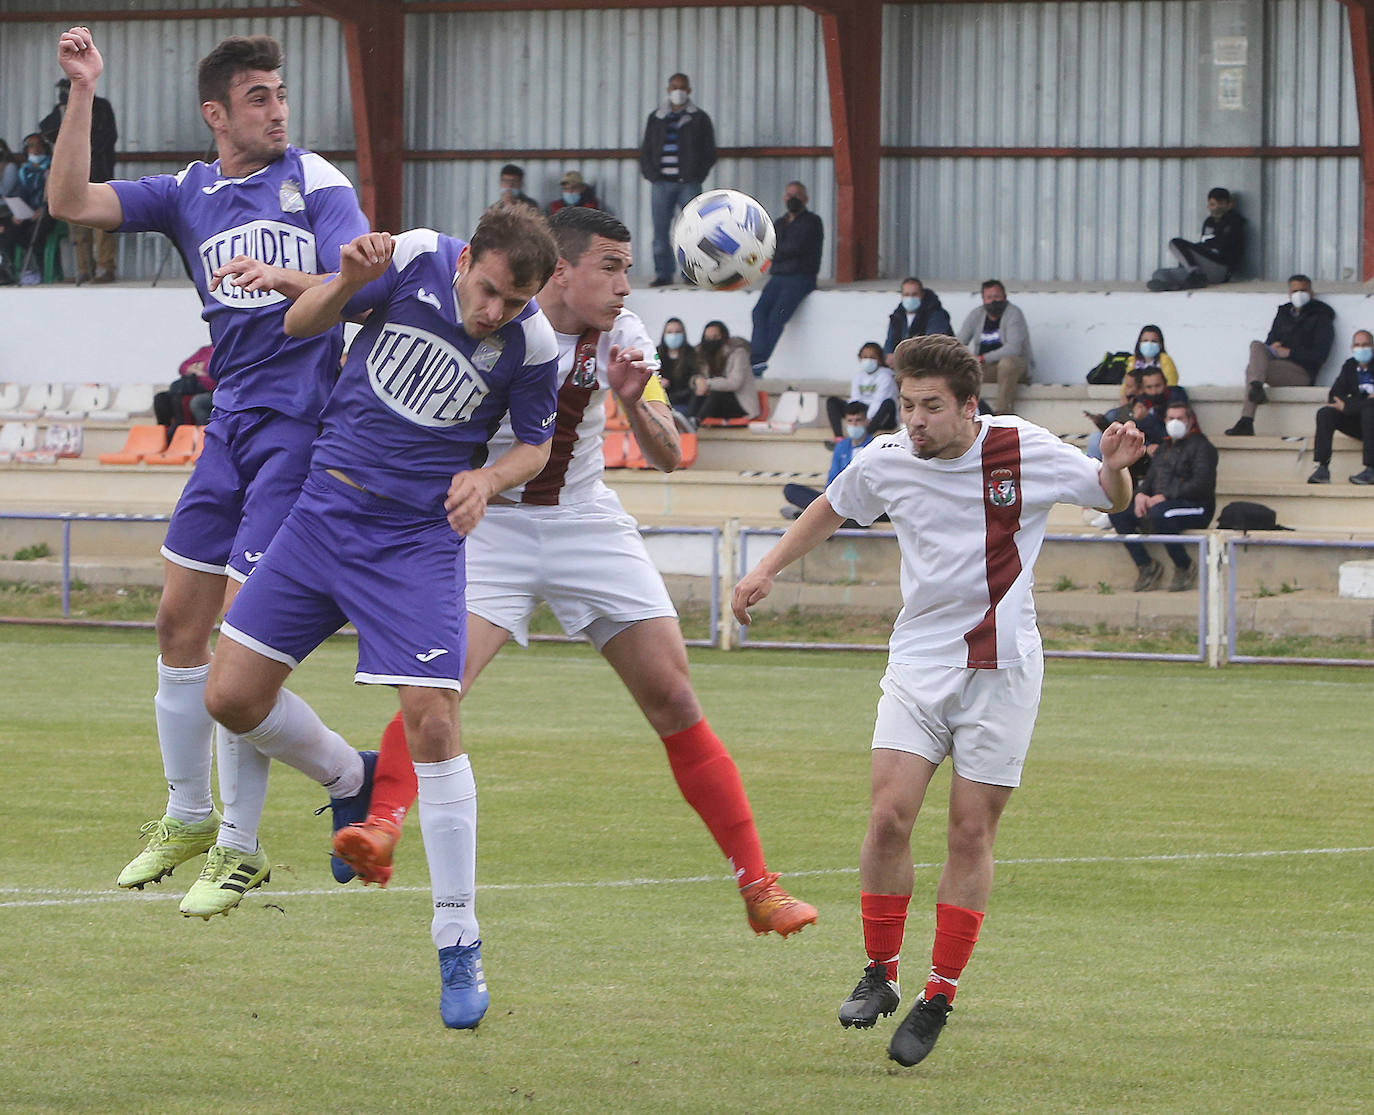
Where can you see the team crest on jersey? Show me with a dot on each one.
(485, 356)
(584, 372)
(292, 200)
(1002, 487)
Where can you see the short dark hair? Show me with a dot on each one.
(939, 357)
(1299, 279)
(574, 226)
(911, 279)
(513, 170)
(522, 235)
(1218, 193)
(995, 282)
(1152, 371)
(674, 77)
(856, 406)
(232, 57)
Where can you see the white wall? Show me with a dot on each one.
(141, 334)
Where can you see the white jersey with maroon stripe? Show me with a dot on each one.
(969, 530)
(574, 471)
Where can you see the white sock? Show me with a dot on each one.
(293, 733)
(448, 822)
(243, 771)
(183, 733)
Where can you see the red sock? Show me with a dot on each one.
(709, 780)
(884, 917)
(956, 932)
(393, 786)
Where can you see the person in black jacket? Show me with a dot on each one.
(918, 314)
(1350, 409)
(94, 247)
(677, 152)
(1213, 259)
(677, 364)
(1298, 344)
(796, 263)
(1178, 493)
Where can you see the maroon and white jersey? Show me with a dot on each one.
(970, 530)
(574, 471)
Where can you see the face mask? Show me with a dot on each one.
(35, 159)
(710, 348)
(571, 199)
(911, 304)
(674, 340)
(996, 307)
(677, 97)
(1155, 400)
(795, 205)
(1363, 355)
(1149, 349)
(1176, 428)
(855, 433)
(867, 366)
(1299, 298)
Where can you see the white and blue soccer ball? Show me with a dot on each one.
(724, 240)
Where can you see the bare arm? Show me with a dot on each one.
(318, 308)
(470, 491)
(72, 195)
(1121, 447)
(817, 523)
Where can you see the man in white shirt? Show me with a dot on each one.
(969, 497)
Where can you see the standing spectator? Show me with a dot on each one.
(677, 365)
(919, 314)
(513, 186)
(1296, 348)
(575, 192)
(676, 154)
(997, 334)
(94, 247)
(723, 387)
(1350, 409)
(1179, 493)
(796, 263)
(874, 387)
(1213, 259)
(28, 234)
(854, 435)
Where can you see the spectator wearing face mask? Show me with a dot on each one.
(1148, 398)
(874, 387)
(1214, 257)
(677, 364)
(996, 333)
(1349, 409)
(918, 314)
(723, 386)
(574, 192)
(31, 187)
(513, 186)
(796, 263)
(1297, 346)
(855, 433)
(95, 249)
(677, 152)
(1178, 493)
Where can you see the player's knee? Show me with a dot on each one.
(435, 738)
(888, 827)
(971, 837)
(673, 707)
(231, 706)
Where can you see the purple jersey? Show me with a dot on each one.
(295, 213)
(419, 399)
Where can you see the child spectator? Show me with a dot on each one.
(873, 386)
(856, 434)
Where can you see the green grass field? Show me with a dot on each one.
(1182, 919)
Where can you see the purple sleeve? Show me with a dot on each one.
(148, 205)
(373, 296)
(336, 220)
(534, 402)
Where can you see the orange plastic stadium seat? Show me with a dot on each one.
(184, 445)
(614, 450)
(615, 417)
(142, 442)
(689, 450)
(634, 456)
(743, 420)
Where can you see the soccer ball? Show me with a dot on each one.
(724, 240)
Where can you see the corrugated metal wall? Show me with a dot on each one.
(1113, 74)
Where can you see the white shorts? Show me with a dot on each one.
(982, 718)
(586, 559)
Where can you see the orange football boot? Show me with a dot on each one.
(771, 909)
(367, 847)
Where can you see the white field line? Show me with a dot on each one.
(39, 896)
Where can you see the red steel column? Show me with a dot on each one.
(1362, 54)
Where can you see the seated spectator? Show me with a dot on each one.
(1213, 259)
(190, 398)
(1149, 353)
(575, 192)
(874, 387)
(917, 315)
(1178, 493)
(9, 185)
(1149, 398)
(1349, 409)
(29, 233)
(677, 361)
(796, 263)
(1293, 353)
(997, 334)
(513, 186)
(856, 433)
(724, 383)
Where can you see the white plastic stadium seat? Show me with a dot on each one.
(86, 399)
(17, 437)
(132, 400)
(793, 409)
(39, 398)
(10, 394)
(62, 439)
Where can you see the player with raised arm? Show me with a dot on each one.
(563, 537)
(969, 497)
(399, 475)
(289, 208)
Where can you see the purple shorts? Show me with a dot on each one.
(244, 483)
(345, 556)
